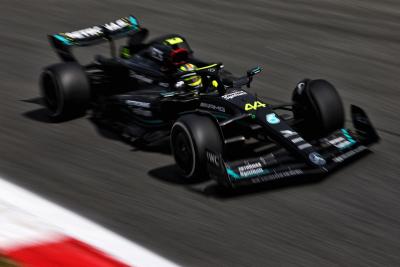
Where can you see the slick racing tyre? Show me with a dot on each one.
(66, 90)
(318, 106)
(191, 135)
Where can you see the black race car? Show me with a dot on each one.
(217, 128)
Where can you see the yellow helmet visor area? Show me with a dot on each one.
(193, 81)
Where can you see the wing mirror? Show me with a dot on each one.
(251, 73)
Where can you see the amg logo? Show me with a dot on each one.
(212, 106)
(212, 158)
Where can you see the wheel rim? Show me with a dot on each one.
(183, 151)
(51, 94)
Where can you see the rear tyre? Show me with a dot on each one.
(191, 136)
(66, 90)
(318, 106)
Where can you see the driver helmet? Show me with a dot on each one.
(193, 81)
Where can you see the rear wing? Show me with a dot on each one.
(63, 42)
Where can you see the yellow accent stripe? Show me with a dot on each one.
(173, 41)
(206, 67)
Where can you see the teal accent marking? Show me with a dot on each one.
(272, 118)
(349, 138)
(62, 39)
(134, 22)
(257, 70)
(236, 176)
(232, 173)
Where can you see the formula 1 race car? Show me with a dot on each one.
(217, 128)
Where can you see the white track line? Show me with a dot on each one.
(80, 228)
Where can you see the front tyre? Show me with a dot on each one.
(191, 136)
(318, 106)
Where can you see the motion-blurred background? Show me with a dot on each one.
(351, 218)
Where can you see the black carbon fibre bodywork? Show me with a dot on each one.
(140, 94)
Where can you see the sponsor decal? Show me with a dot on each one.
(342, 142)
(288, 133)
(303, 146)
(251, 170)
(272, 118)
(254, 106)
(349, 154)
(248, 171)
(117, 25)
(297, 140)
(81, 34)
(316, 158)
(212, 106)
(163, 84)
(212, 158)
(336, 141)
(277, 175)
(343, 145)
(140, 77)
(179, 84)
(264, 175)
(96, 30)
(168, 94)
(234, 94)
(157, 53)
(211, 70)
(138, 103)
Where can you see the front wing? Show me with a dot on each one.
(337, 149)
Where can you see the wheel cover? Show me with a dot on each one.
(183, 151)
(52, 95)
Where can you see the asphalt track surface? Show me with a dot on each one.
(351, 218)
